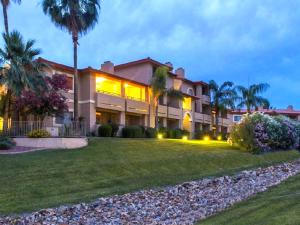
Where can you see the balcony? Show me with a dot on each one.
(202, 118)
(205, 99)
(162, 111)
(135, 106)
(107, 101)
(175, 113)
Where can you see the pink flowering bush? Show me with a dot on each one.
(259, 133)
(48, 102)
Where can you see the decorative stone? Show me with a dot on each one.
(183, 204)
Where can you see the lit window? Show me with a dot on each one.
(134, 92)
(187, 103)
(109, 86)
(237, 118)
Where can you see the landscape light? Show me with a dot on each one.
(219, 138)
(206, 138)
(185, 138)
(160, 136)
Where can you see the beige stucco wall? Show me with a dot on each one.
(141, 73)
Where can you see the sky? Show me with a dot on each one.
(244, 41)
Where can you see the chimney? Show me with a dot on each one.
(169, 64)
(108, 67)
(180, 72)
(290, 108)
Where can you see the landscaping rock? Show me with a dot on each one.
(181, 204)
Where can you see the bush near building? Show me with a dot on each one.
(105, 130)
(39, 134)
(260, 133)
(6, 143)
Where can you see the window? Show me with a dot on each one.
(135, 92)
(237, 118)
(187, 103)
(66, 118)
(107, 117)
(109, 86)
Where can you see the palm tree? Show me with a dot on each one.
(158, 87)
(250, 96)
(77, 17)
(222, 98)
(20, 68)
(5, 4)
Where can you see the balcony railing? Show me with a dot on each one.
(137, 106)
(174, 113)
(108, 101)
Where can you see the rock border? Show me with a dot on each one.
(183, 204)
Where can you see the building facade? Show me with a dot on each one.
(122, 94)
(236, 115)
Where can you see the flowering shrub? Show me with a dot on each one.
(39, 134)
(262, 133)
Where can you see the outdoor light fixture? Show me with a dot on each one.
(206, 138)
(185, 138)
(160, 136)
(219, 138)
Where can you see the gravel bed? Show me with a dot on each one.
(182, 204)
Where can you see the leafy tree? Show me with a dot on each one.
(250, 98)
(77, 17)
(158, 87)
(20, 69)
(5, 4)
(46, 102)
(222, 98)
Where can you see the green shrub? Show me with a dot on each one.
(105, 130)
(132, 132)
(177, 133)
(6, 143)
(163, 131)
(39, 134)
(150, 132)
(115, 129)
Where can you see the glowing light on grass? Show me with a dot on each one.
(160, 136)
(185, 138)
(206, 138)
(219, 138)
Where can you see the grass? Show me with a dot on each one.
(113, 166)
(278, 206)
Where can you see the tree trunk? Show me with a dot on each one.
(156, 117)
(76, 108)
(6, 110)
(5, 17)
(217, 123)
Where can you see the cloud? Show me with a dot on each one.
(212, 39)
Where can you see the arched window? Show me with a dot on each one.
(190, 91)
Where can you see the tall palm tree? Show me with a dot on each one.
(250, 97)
(20, 70)
(77, 17)
(222, 98)
(5, 4)
(158, 87)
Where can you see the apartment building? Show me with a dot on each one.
(236, 115)
(122, 94)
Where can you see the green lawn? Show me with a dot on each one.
(109, 166)
(278, 206)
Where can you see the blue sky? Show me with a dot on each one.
(237, 40)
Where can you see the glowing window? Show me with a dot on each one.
(135, 92)
(187, 103)
(109, 86)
